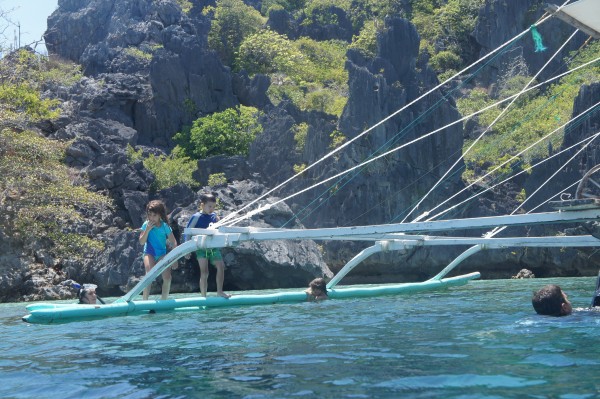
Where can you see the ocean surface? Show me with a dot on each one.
(482, 340)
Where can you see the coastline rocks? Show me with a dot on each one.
(524, 273)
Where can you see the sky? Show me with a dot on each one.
(31, 15)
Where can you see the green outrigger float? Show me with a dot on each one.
(59, 313)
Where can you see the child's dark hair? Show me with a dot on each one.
(158, 207)
(319, 283)
(205, 198)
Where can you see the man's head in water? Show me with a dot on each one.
(551, 300)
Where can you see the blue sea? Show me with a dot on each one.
(482, 340)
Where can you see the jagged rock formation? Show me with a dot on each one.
(151, 58)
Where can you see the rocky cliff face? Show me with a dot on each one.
(499, 21)
(149, 72)
(153, 57)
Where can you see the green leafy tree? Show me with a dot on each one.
(445, 60)
(167, 170)
(320, 12)
(186, 5)
(217, 179)
(309, 73)
(229, 132)
(366, 40)
(289, 5)
(363, 12)
(171, 170)
(446, 26)
(232, 22)
(267, 52)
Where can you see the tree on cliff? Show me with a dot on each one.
(223, 133)
(232, 22)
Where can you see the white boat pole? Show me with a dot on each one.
(166, 261)
(365, 253)
(256, 234)
(471, 251)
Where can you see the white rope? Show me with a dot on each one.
(226, 220)
(554, 195)
(589, 139)
(507, 162)
(489, 127)
(243, 217)
(497, 230)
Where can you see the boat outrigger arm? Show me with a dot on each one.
(388, 237)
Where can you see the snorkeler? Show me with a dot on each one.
(551, 300)
(86, 293)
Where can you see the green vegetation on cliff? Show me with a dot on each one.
(167, 170)
(232, 22)
(445, 27)
(229, 132)
(532, 117)
(42, 201)
(310, 73)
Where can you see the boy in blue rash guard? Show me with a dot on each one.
(155, 235)
(202, 220)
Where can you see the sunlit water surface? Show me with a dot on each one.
(482, 340)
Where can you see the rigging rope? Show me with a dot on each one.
(589, 139)
(499, 229)
(227, 220)
(335, 187)
(256, 211)
(487, 129)
(586, 113)
(391, 142)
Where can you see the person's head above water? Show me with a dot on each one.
(317, 289)
(87, 294)
(550, 300)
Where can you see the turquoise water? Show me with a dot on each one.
(482, 340)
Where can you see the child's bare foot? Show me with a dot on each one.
(223, 294)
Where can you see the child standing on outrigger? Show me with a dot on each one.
(155, 235)
(203, 219)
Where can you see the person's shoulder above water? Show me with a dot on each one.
(551, 300)
(317, 290)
